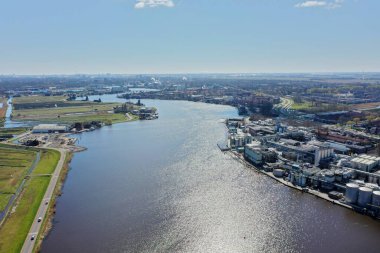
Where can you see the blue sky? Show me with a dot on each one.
(188, 36)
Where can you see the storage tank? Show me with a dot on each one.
(376, 198)
(292, 178)
(352, 192)
(365, 196)
(303, 181)
(278, 173)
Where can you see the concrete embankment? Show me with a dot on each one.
(287, 183)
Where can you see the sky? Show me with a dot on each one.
(188, 36)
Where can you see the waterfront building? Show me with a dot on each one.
(312, 152)
(49, 128)
(252, 152)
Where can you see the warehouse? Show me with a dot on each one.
(49, 128)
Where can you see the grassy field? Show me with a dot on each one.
(308, 107)
(48, 162)
(366, 106)
(3, 109)
(47, 222)
(14, 164)
(16, 227)
(4, 199)
(38, 99)
(66, 111)
(13, 131)
(301, 106)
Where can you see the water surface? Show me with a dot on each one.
(164, 186)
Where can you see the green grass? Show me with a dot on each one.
(308, 107)
(14, 163)
(48, 162)
(4, 199)
(16, 227)
(301, 106)
(3, 110)
(62, 111)
(14, 131)
(8, 133)
(72, 112)
(42, 109)
(38, 99)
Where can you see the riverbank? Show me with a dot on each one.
(58, 109)
(43, 206)
(47, 224)
(188, 188)
(3, 110)
(22, 212)
(318, 194)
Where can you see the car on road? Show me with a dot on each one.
(32, 238)
(39, 219)
(46, 202)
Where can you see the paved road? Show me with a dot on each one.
(42, 210)
(285, 106)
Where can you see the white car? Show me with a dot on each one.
(39, 219)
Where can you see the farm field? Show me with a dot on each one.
(15, 165)
(57, 110)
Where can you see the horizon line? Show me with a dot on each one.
(198, 73)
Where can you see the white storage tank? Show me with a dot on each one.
(376, 198)
(278, 173)
(365, 196)
(352, 192)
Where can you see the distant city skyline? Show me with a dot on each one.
(183, 36)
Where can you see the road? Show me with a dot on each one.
(285, 106)
(42, 210)
(4, 213)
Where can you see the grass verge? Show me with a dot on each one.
(14, 164)
(48, 162)
(16, 227)
(48, 221)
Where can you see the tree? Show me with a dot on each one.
(266, 108)
(297, 100)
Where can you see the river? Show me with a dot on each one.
(9, 123)
(164, 186)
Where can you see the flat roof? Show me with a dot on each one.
(49, 126)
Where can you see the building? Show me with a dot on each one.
(365, 162)
(339, 148)
(313, 152)
(239, 139)
(252, 152)
(49, 128)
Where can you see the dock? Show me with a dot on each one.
(223, 147)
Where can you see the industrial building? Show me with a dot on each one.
(49, 128)
(297, 156)
(365, 163)
(257, 155)
(313, 152)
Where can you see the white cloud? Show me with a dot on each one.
(335, 4)
(325, 4)
(153, 3)
(309, 4)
